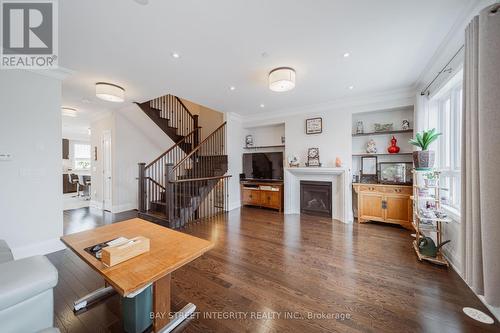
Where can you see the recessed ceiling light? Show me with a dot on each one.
(69, 112)
(351, 87)
(232, 88)
(176, 55)
(262, 106)
(347, 55)
(109, 92)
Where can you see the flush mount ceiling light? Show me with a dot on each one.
(347, 55)
(282, 79)
(69, 112)
(232, 88)
(175, 55)
(109, 92)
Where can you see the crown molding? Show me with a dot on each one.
(355, 104)
(451, 43)
(58, 73)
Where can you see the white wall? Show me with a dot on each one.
(31, 183)
(135, 139)
(269, 135)
(235, 141)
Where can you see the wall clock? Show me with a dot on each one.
(314, 126)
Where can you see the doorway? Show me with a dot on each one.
(107, 164)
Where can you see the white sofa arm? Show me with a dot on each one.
(25, 278)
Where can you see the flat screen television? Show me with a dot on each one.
(263, 166)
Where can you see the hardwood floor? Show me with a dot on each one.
(323, 276)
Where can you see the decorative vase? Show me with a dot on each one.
(424, 159)
(393, 148)
(338, 162)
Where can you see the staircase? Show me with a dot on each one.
(188, 182)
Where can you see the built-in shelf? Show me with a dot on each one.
(384, 133)
(382, 154)
(261, 147)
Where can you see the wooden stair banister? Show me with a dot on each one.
(188, 181)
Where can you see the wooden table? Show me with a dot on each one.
(169, 250)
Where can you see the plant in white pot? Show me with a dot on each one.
(424, 159)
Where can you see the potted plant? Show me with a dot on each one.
(424, 159)
(430, 179)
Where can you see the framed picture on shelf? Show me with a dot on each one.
(368, 172)
(314, 125)
(313, 157)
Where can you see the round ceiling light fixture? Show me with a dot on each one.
(109, 92)
(282, 79)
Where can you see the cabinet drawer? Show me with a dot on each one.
(251, 197)
(398, 190)
(368, 188)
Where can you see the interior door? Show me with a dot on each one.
(107, 165)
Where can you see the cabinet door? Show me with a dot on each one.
(270, 199)
(251, 197)
(398, 208)
(370, 206)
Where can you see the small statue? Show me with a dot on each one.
(405, 125)
(249, 141)
(371, 147)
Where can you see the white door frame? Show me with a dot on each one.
(107, 204)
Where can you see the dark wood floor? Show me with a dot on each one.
(354, 278)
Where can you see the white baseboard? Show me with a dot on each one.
(123, 208)
(453, 263)
(40, 248)
(234, 205)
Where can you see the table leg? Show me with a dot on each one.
(161, 303)
(162, 322)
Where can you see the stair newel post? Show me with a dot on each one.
(142, 188)
(169, 191)
(195, 127)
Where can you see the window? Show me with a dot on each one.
(82, 156)
(446, 117)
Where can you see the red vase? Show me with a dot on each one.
(393, 149)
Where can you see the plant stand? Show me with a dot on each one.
(427, 226)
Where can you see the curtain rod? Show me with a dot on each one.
(426, 90)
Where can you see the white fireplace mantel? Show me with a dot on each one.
(339, 177)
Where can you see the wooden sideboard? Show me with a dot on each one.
(262, 194)
(385, 203)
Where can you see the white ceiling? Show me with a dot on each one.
(221, 44)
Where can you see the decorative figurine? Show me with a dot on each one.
(371, 147)
(249, 141)
(338, 162)
(293, 161)
(359, 127)
(393, 148)
(405, 125)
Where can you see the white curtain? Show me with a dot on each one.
(481, 156)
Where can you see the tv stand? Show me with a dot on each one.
(268, 194)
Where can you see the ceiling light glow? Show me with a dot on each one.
(109, 92)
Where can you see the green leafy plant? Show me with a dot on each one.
(431, 175)
(424, 139)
